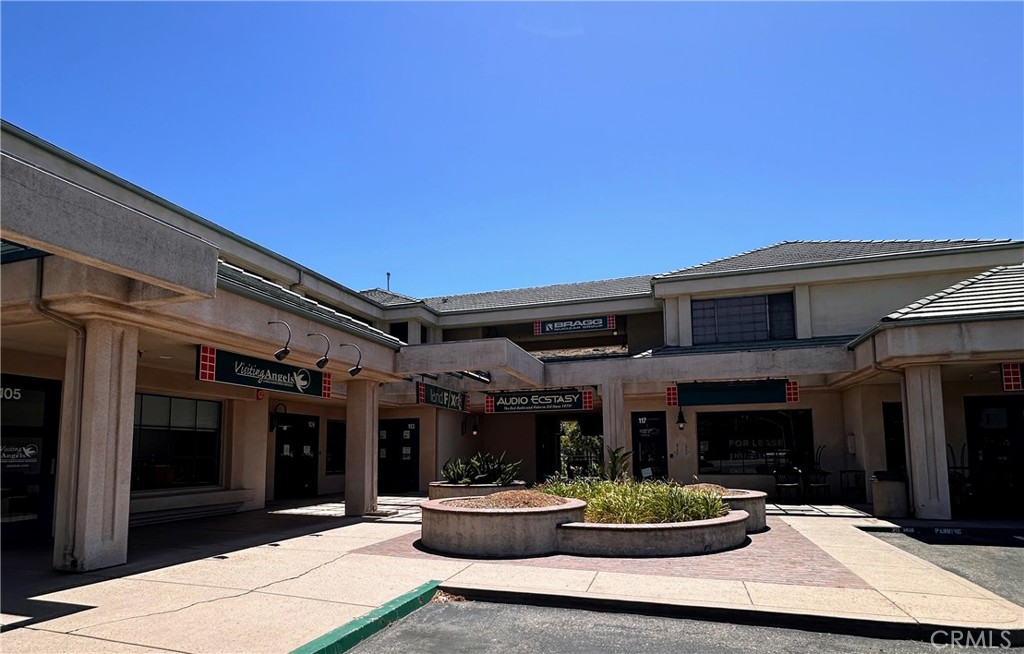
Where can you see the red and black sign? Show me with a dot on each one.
(564, 399)
(230, 368)
(569, 325)
(441, 397)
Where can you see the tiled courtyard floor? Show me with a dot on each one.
(271, 581)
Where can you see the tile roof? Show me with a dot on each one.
(817, 253)
(388, 298)
(622, 287)
(997, 292)
(266, 291)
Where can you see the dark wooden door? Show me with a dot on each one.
(650, 446)
(398, 456)
(297, 456)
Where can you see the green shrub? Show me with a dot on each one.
(637, 502)
(618, 464)
(481, 468)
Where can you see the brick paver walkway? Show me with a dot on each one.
(781, 555)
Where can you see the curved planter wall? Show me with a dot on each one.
(750, 501)
(495, 532)
(439, 490)
(665, 539)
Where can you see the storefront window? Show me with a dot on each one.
(177, 443)
(754, 442)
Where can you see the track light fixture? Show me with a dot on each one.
(284, 351)
(356, 369)
(325, 359)
(681, 420)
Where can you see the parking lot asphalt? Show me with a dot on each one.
(483, 627)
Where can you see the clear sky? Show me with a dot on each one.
(467, 147)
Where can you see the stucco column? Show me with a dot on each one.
(361, 448)
(670, 318)
(926, 441)
(94, 479)
(248, 455)
(414, 333)
(613, 414)
(685, 320)
(802, 309)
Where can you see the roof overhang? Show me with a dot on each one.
(495, 354)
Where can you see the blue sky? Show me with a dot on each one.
(466, 147)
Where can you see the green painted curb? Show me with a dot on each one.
(351, 634)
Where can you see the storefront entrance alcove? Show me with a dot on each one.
(30, 418)
(995, 447)
(398, 456)
(650, 444)
(569, 444)
(296, 456)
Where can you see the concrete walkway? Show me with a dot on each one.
(271, 581)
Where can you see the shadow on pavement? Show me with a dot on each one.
(27, 571)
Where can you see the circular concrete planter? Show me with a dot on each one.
(442, 490)
(495, 532)
(663, 539)
(750, 501)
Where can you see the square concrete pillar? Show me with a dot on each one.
(926, 441)
(248, 449)
(613, 415)
(670, 319)
(94, 476)
(361, 448)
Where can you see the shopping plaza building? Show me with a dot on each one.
(156, 366)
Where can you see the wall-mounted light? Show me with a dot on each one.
(284, 351)
(681, 420)
(325, 359)
(470, 424)
(279, 410)
(356, 369)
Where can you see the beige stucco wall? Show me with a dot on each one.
(646, 331)
(853, 307)
(515, 435)
(450, 444)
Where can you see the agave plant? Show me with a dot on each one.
(481, 468)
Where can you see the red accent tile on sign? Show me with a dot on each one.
(792, 391)
(1012, 377)
(672, 395)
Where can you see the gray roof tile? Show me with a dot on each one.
(819, 253)
(557, 293)
(999, 291)
(388, 298)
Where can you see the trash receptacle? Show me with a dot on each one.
(889, 494)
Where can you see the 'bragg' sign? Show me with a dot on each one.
(590, 324)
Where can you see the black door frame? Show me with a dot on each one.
(44, 436)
